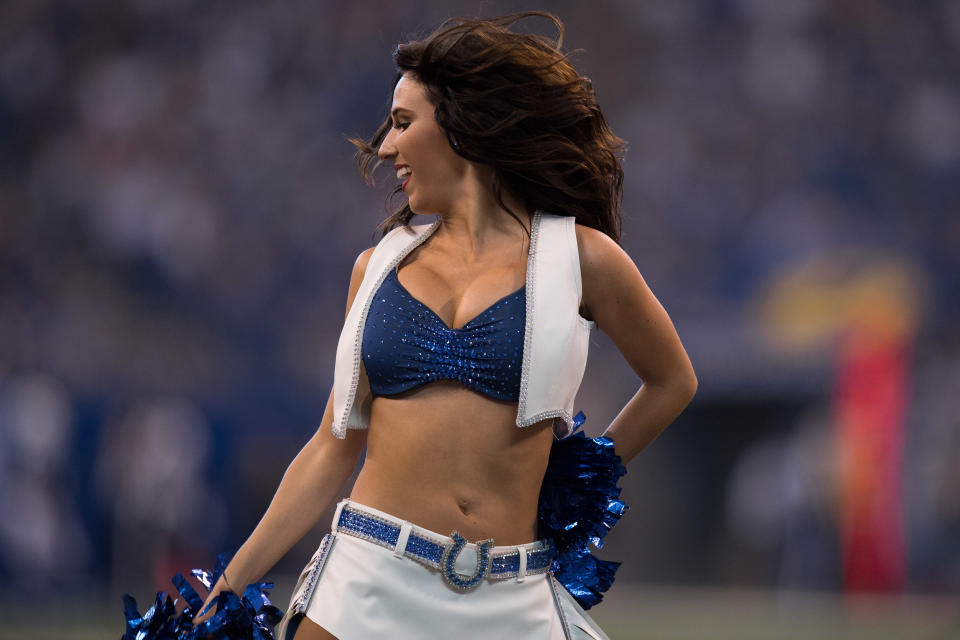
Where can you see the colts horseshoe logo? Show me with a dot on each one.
(450, 554)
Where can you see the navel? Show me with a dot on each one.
(465, 505)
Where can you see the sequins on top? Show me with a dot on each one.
(406, 344)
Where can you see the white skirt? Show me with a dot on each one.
(357, 589)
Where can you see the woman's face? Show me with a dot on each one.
(416, 142)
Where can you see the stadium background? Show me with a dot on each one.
(179, 212)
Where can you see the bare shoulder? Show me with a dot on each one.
(360, 265)
(357, 275)
(597, 249)
(624, 308)
(602, 263)
(360, 269)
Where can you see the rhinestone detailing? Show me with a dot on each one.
(451, 577)
(343, 422)
(439, 552)
(554, 587)
(528, 332)
(406, 344)
(528, 337)
(555, 342)
(303, 600)
(528, 340)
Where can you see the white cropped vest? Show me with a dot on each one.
(555, 340)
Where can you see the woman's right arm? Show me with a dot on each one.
(309, 486)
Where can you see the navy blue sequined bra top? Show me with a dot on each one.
(405, 344)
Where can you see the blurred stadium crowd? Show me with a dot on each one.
(179, 212)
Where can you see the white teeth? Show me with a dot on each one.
(403, 172)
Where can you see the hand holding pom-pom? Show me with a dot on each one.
(207, 610)
(579, 504)
(224, 615)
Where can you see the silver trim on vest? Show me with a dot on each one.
(350, 412)
(344, 422)
(528, 338)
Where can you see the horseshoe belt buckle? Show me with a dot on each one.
(450, 554)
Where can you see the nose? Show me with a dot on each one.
(387, 149)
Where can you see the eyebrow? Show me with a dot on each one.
(394, 112)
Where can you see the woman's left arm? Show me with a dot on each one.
(618, 299)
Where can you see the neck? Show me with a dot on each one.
(477, 222)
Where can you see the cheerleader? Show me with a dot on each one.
(464, 343)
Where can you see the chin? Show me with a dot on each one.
(420, 209)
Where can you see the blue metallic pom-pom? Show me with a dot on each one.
(579, 504)
(250, 617)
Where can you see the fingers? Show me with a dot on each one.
(204, 612)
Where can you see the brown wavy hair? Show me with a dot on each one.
(515, 103)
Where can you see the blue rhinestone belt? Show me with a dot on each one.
(440, 552)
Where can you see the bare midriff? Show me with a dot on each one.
(448, 458)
